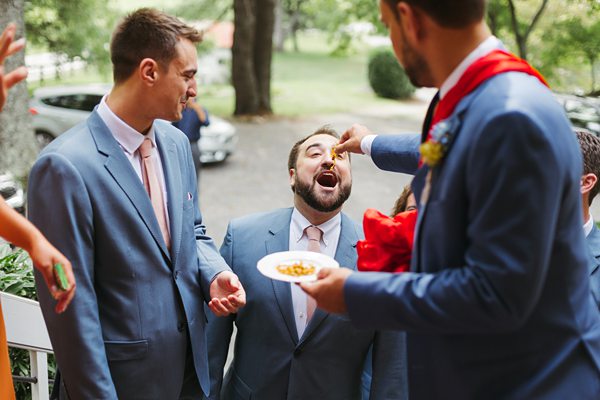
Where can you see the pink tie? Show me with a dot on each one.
(152, 185)
(314, 244)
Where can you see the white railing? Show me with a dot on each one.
(26, 329)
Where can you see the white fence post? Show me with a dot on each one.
(39, 370)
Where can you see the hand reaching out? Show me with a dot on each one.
(227, 294)
(351, 138)
(9, 47)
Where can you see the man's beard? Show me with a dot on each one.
(415, 65)
(307, 193)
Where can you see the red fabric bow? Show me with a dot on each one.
(388, 241)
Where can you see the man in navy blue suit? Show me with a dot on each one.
(498, 302)
(590, 150)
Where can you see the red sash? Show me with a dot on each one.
(494, 63)
(388, 242)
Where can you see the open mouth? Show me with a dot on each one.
(327, 179)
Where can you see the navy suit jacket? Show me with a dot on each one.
(124, 335)
(593, 242)
(498, 301)
(270, 360)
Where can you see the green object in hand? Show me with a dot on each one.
(60, 277)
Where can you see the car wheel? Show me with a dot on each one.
(43, 139)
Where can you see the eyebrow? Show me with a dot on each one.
(191, 72)
(317, 144)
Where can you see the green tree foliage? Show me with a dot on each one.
(73, 28)
(573, 39)
(387, 77)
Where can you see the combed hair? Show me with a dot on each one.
(448, 13)
(324, 130)
(147, 33)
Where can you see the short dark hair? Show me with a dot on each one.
(590, 150)
(448, 13)
(324, 130)
(147, 33)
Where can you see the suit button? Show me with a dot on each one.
(181, 326)
(176, 274)
(297, 352)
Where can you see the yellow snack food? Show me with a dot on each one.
(296, 269)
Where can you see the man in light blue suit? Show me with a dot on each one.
(117, 195)
(280, 352)
(590, 150)
(497, 304)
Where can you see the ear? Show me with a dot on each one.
(148, 71)
(411, 20)
(292, 173)
(588, 181)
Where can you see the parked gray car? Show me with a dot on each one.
(56, 109)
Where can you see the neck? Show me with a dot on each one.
(125, 102)
(451, 47)
(586, 209)
(313, 216)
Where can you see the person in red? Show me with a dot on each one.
(497, 302)
(20, 232)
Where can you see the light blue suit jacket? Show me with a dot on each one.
(498, 302)
(593, 242)
(270, 360)
(125, 333)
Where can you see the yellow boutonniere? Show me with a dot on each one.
(435, 148)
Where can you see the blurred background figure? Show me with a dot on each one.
(590, 150)
(194, 117)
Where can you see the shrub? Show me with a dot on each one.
(387, 77)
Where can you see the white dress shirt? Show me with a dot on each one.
(298, 241)
(130, 140)
(487, 46)
(588, 226)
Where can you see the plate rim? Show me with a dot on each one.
(263, 263)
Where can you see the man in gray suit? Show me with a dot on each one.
(117, 195)
(590, 150)
(280, 352)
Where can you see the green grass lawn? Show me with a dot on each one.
(305, 83)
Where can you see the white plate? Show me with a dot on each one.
(268, 264)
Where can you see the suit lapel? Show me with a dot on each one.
(173, 184)
(346, 256)
(279, 240)
(119, 167)
(418, 182)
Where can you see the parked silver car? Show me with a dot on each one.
(56, 109)
(12, 192)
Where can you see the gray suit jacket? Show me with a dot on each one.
(270, 361)
(125, 333)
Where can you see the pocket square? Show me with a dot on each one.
(189, 196)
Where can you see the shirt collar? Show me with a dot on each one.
(300, 223)
(588, 226)
(484, 48)
(129, 139)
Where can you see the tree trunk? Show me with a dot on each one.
(522, 37)
(251, 56)
(18, 147)
(263, 53)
